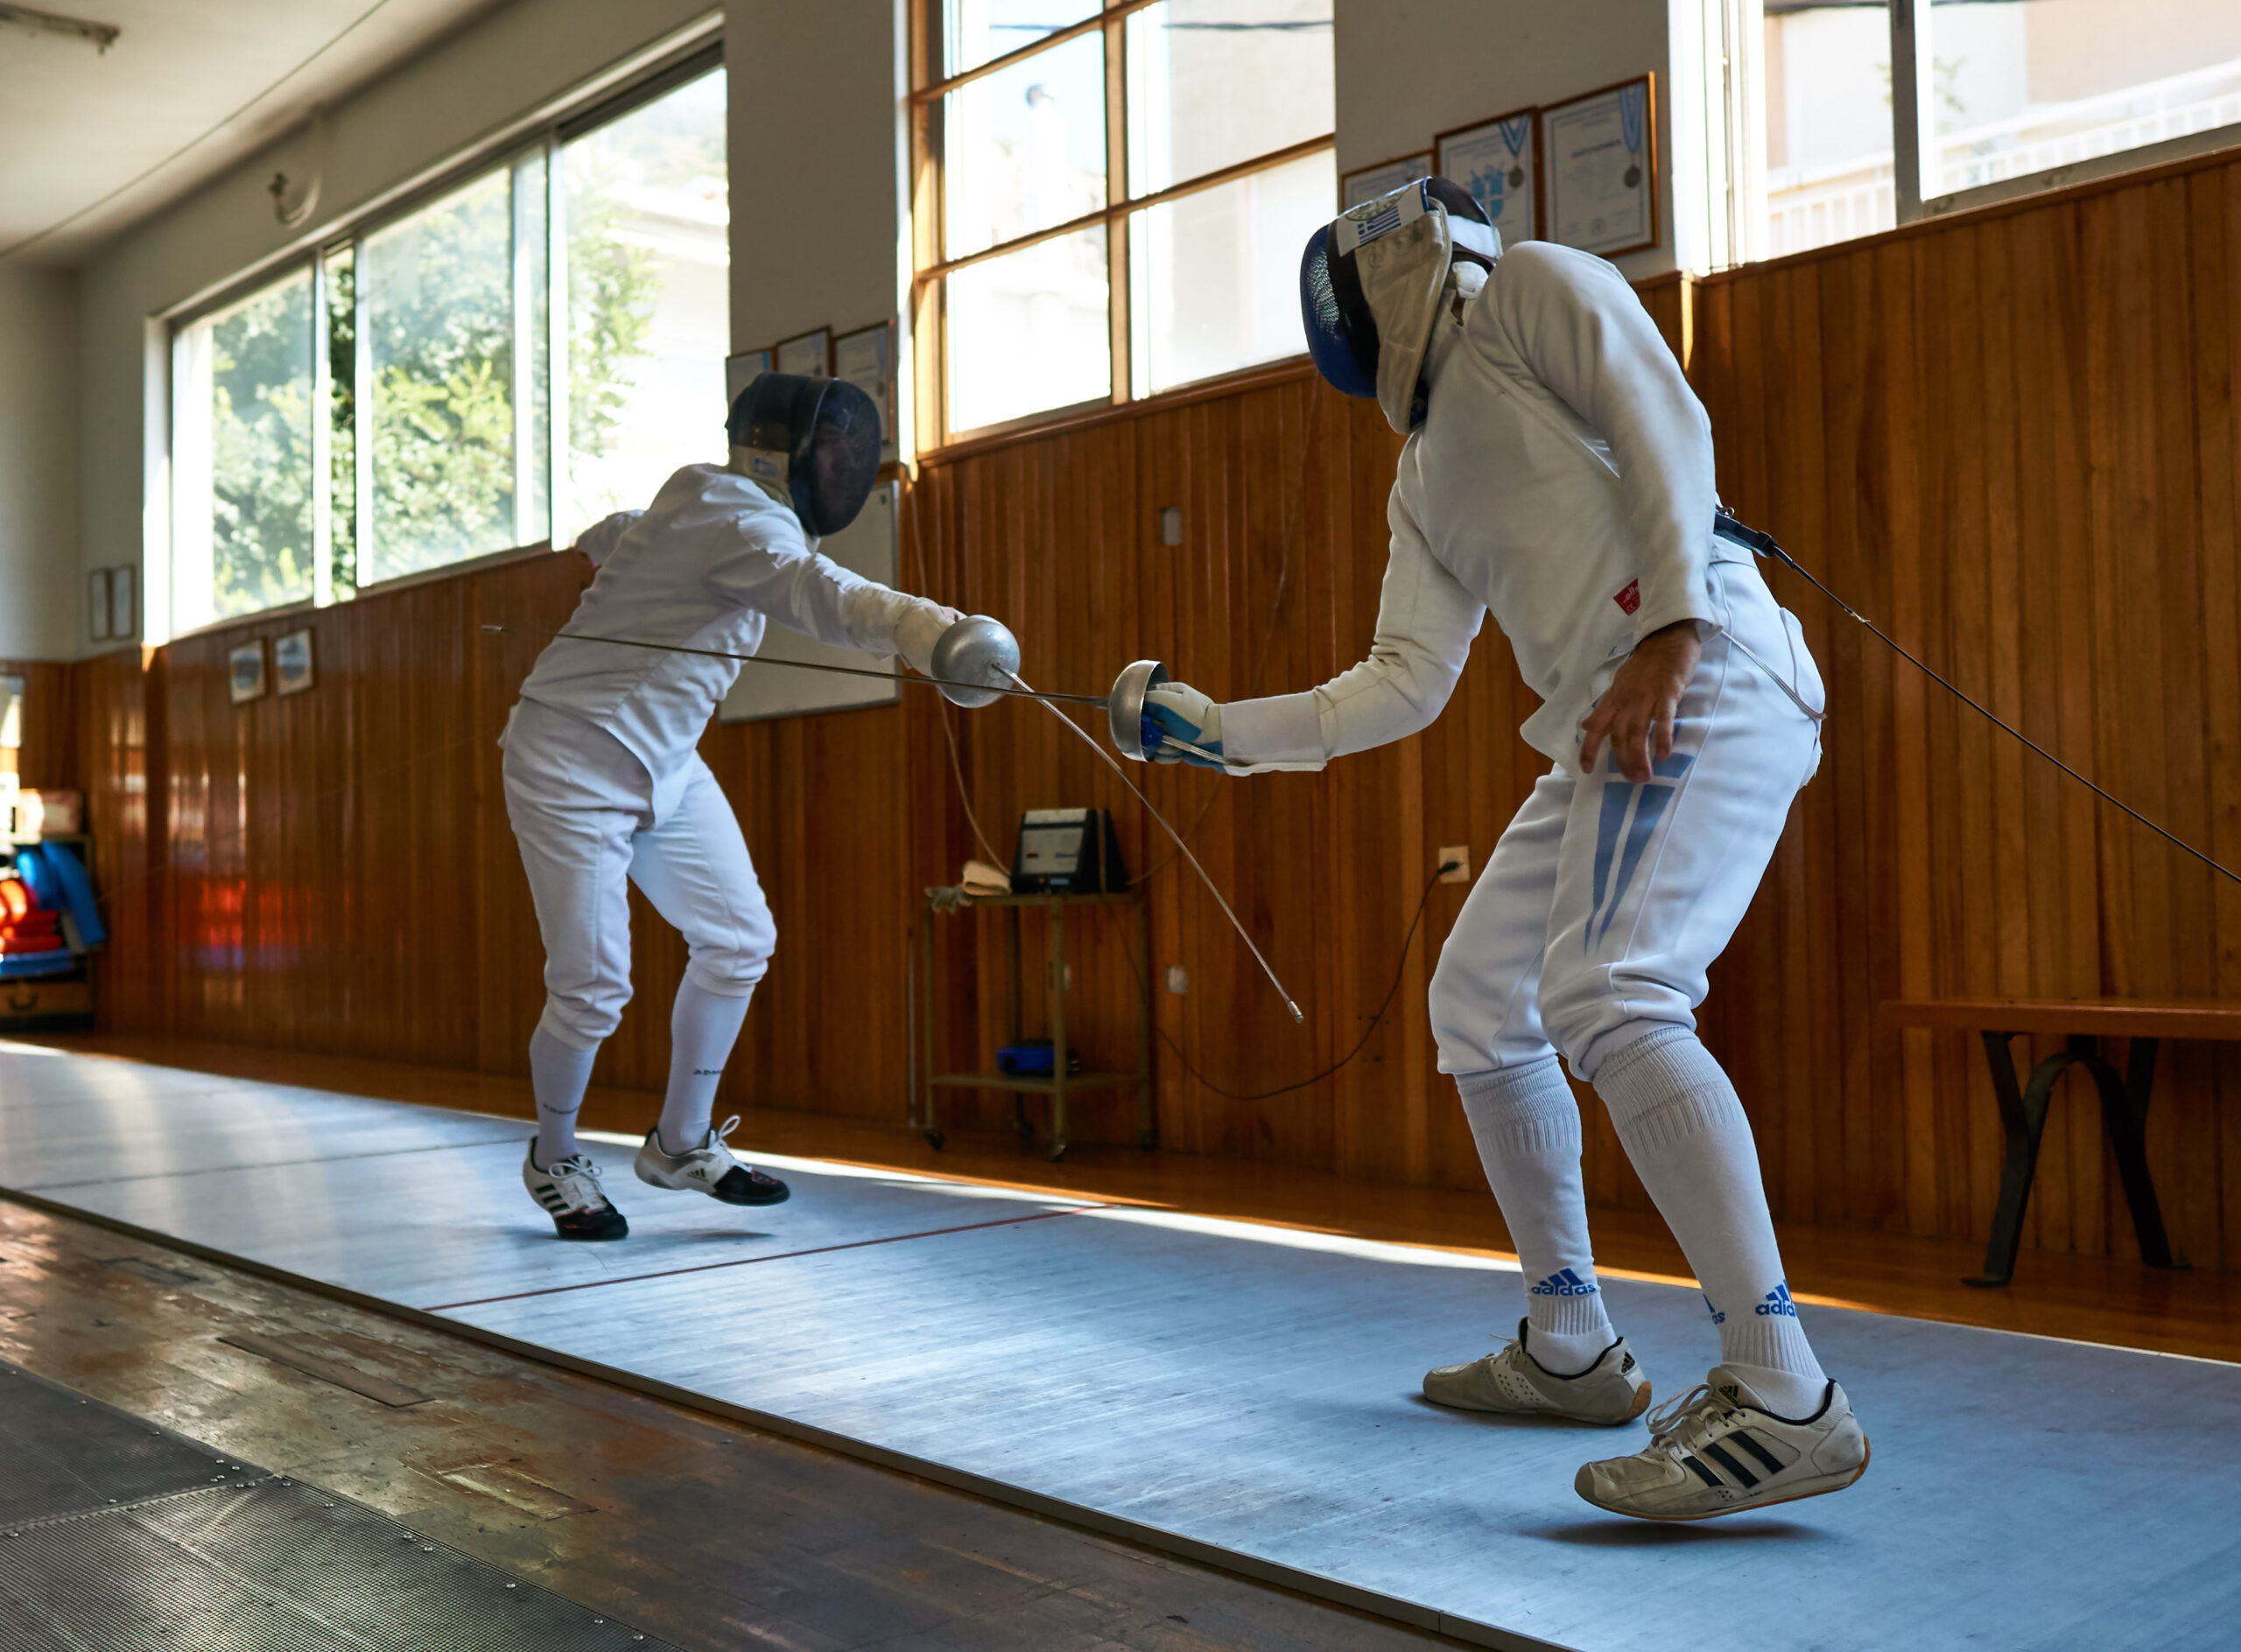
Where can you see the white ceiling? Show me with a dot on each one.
(189, 88)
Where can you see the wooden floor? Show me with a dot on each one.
(2089, 1299)
(706, 1533)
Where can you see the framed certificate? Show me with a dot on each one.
(123, 620)
(291, 662)
(245, 672)
(1383, 178)
(742, 371)
(1499, 161)
(865, 359)
(1601, 171)
(811, 354)
(97, 602)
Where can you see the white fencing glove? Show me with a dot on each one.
(1178, 711)
(919, 629)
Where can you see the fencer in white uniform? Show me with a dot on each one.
(605, 787)
(1559, 473)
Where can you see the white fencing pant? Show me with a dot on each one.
(1604, 902)
(581, 807)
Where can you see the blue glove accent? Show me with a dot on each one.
(1159, 723)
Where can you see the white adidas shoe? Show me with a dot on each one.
(1718, 1449)
(708, 1168)
(569, 1192)
(1610, 1391)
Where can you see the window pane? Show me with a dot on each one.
(1214, 276)
(438, 309)
(2019, 88)
(342, 417)
(1024, 149)
(1030, 331)
(243, 452)
(1829, 171)
(647, 212)
(977, 32)
(1213, 82)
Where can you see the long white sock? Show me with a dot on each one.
(703, 1026)
(1683, 1127)
(1527, 1128)
(559, 1073)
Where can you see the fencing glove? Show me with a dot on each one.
(1176, 712)
(919, 629)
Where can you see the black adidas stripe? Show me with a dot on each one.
(1742, 1474)
(1744, 1438)
(1704, 1474)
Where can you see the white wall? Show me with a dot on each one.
(40, 611)
(464, 88)
(1409, 69)
(817, 169)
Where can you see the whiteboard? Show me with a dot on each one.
(867, 546)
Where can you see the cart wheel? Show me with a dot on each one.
(934, 1139)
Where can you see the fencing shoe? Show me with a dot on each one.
(709, 1169)
(1716, 1450)
(1611, 1390)
(569, 1192)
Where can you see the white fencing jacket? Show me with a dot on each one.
(701, 567)
(1563, 479)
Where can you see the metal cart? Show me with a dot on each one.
(1060, 1084)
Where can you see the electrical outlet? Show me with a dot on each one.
(1178, 980)
(1460, 854)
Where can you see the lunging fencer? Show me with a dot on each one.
(1558, 472)
(604, 784)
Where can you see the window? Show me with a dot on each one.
(1994, 98)
(1116, 198)
(390, 405)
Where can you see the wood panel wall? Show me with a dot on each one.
(2009, 436)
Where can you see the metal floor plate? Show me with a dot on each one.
(122, 1540)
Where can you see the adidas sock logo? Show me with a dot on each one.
(1563, 1283)
(1778, 1301)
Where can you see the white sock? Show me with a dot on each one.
(703, 1026)
(1527, 1128)
(1684, 1129)
(559, 1075)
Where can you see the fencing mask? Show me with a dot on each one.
(816, 441)
(1370, 285)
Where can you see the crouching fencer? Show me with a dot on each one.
(1558, 472)
(603, 782)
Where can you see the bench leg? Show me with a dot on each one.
(2023, 1115)
(2124, 1115)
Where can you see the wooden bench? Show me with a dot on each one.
(2082, 1023)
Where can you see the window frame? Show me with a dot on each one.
(543, 138)
(928, 303)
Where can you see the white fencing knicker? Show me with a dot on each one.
(581, 806)
(1604, 902)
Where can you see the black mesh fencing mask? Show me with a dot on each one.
(815, 440)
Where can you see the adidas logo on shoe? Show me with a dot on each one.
(1778, 1301)
(1563, 1283)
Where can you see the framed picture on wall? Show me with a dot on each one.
(291, 662)
(1601, 172)
(97, 605)
(1369, 182)
(865, 359)
(1499, 161)
(123, 618)
(742, 371)
(245, 672)
(812, 353)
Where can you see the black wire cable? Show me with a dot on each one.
(1384, 1004)
(1765, 546)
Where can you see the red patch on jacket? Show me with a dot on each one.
(1631, 598)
